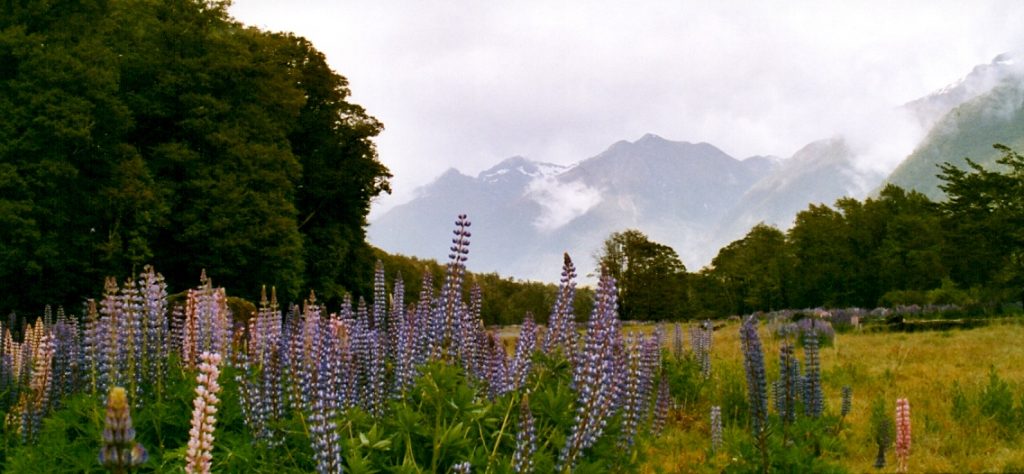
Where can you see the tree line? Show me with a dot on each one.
(898, 247)
(164, 132)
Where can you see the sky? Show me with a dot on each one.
(466, 84)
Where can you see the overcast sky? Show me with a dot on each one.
(466, 84)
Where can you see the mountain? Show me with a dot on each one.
(969, 129)
(820, 172)
(691, 196)
(526, 214)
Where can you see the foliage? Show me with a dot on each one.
(139, 131)
(650, 276)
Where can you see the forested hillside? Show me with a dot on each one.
(164, 132)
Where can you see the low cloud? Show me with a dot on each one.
(561, 202)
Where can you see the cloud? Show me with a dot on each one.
(561, 202)
(467, 84)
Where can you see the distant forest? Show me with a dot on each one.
(161, 132)
(899, 248)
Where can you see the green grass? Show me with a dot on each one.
(920, 366)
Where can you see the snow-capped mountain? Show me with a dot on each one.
(691, 196)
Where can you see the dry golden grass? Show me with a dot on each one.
(919, 366)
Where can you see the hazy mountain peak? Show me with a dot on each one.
(981, 80)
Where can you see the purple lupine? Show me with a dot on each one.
(324, 408)
(451, 290)
(526, 440)
(470, 328)
(377, 380)
(422, 319)
(523, 358)
(757, 386)
(463, 467)
(677, 341)
(700, 339)
(716, 428)
(379, 308)
(631, 401)
(561, 323)
(154, 296)
(132, 303)
(661, 405)
(594, 374)
(786, 393)
(813, 396)
(497, 368)
(404, 344)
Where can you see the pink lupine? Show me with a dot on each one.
(200, 444)
(902, 433)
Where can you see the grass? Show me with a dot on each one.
(920, 366)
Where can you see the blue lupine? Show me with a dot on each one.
(661, 405)
(523, 358)
(561, 323)
(677, 341)
(451, 290)
(786, 393)
(594, 375)
(757, 386)
(813, 396)
(526, 440)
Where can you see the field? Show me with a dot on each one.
(158, 384)
(920, 366)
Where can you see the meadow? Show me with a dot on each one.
(966, 389)
(150, 382)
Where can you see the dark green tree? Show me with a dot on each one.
(821, 248)
(164, 132)
(984, 221)
(651, 278)
(755, 272)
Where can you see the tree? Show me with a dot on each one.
(984, 220)
(164, 132)
(823, 256)
(651, 278)
(755, 272)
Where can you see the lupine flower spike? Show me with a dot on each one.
(120, 452)
(716, 428)
(200, 444)
(902, 433)
(526, 440)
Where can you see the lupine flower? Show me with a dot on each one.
(631, 402)
(523, 358)
(847, 393)
(34, 402)
(786, 388)
(882, 428)
(462, 468)
(120, 452)
(200, 444)
(903, 434)
(677, 341)
(813, 396)
(561, 323)
(451, 291)
(716, 428)
(661, 405)
(323, 427)
(526, 439)
(757, 387)
(594, 375)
